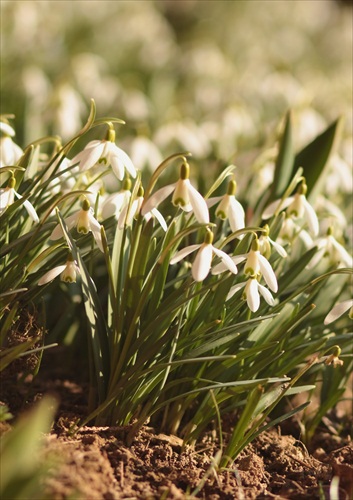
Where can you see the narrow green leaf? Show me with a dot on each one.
(284, 161)
(314, 157)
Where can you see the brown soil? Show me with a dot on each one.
(96, 464)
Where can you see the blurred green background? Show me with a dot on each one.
(210, 75)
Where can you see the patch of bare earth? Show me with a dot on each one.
(96, 463)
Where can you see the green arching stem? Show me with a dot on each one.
(160, 169)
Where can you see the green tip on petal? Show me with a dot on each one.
(184, 171)
(140, 192)
(329, 231)
(232, 188)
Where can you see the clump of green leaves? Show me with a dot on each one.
(182, 338)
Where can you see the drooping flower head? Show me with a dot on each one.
(184, 196)
(84, 221)
(105, 152)
(265, 244)
(128, 212)
(332, 251)
(229, 207)
(202, 263)
(297, 207)
(7, 198)
(68, 272)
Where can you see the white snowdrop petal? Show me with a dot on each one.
(235, 289)
(266, 295)
(252, 295)
(236, 215)
(212, 201)
(338, 310)
(279, 249)
(125, 159)
(7, 129)
(156, 198)
(6, 198)
(183, 253)
(202, 263)
(344, 256)
(117, 167)
(160, 218)
(31, 211)
(268, 273)
(199, 205)
(275, 205)
(57, 232)
(50, 275)
(227, 260)
(89, 156)
(311, 218)
(221, 267)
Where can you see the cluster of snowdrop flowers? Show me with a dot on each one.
(256, 266)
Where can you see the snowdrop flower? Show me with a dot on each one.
(339, 309)
(252, 292)
(265, 243)
(6, 129)
(202, 263)
(185, 196)
(328, 247)
(297, 207)
(290, 230)
(130, 211)
(255, 266)
(106, 152)
(68, 272)
(7, 198)
(84, 222)
(10, 153)
(115, 202)
(229, 208)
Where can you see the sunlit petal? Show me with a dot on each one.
(268, 273)
(252, 294)
(226, 260)
(199, 205)
(275, 205)
(338, 310)
(156, 198)
(266, 295)
(235, 289)
(202, 263)
(311, 218)
(50, 275)
(156, 213)
(183, 253)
